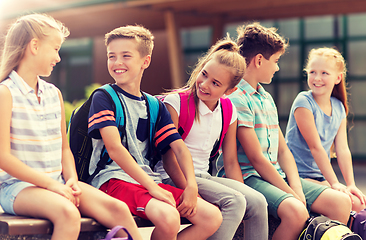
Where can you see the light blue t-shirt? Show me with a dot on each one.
(327, 127)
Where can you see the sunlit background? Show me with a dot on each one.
(184, 29)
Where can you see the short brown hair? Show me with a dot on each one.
(255, 39)
(143, 37)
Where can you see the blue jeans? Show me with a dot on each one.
(8, 193)
(236, 202)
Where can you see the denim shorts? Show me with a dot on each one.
(8, 193)
(275, 196)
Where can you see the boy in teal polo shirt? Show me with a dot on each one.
(266, 162)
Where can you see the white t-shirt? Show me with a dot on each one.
(203, 134)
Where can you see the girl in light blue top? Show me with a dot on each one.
(318, 120)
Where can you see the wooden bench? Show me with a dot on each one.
(24, 228)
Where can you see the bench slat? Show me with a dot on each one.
(18, 225)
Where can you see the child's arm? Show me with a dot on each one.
(288, 165)
(12, 165)
(184, 158)
(68, 163)
(305, 122)
(344, 159)
(250, 143)
(123, 158)
(229, 151)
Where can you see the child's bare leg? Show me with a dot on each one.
(42, 203)
(204, 223)
(336, 210)
(293, 215)
(356, 203)
(165, 218)
(107, 210)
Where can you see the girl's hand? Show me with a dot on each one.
(340, 187)
(162, 195)
(63, 190)
(352, 189)
(76, 191)
(188, 202)
(299, 194)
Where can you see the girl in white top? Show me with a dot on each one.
(37, 170)
(216, 74)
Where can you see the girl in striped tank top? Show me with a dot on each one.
(37, 171)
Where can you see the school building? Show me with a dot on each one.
(184, 29)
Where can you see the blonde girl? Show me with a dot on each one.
(37, 176)
(318, 119)
(215, 76)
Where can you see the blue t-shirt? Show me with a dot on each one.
(136, 140)
(327, 127)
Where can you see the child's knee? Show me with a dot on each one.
(67, 214)
(239, 202)
(168, 222)
(357, 205)
(258, 202)
(342, 207)
(118, 207)
(294, 213)
(212, 218)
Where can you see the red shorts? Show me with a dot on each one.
(134, 195)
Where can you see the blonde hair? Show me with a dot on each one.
(21, 33)
(340, 89)
(225, 52)
(142, 36)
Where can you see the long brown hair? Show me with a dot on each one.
(340, 89)
(225, 52)
(21, 33)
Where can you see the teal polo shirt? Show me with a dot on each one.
(256, 109)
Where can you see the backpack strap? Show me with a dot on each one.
(227, 112)
(120, 122)
(187, 113)
(153, 106)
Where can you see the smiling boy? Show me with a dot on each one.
(266, 162)
(129, 176)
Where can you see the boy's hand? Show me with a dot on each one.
(76, 191)
(163, 195)
(188, 202)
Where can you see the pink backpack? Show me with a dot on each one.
(187, 115)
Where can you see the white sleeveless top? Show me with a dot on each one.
(35, 128)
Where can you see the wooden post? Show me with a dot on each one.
(218, 28)
(174, 50)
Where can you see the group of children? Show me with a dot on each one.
(222, 106)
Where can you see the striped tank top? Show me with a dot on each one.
(35, 128)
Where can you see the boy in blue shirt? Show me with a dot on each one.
(129, 177)
(266, 162)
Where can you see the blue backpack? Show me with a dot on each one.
(81, 144)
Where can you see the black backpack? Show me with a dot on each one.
(80, 142)
(323, 228)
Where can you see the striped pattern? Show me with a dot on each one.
(164, 132)
(102, 116)
(256, 109)
(35, 131)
